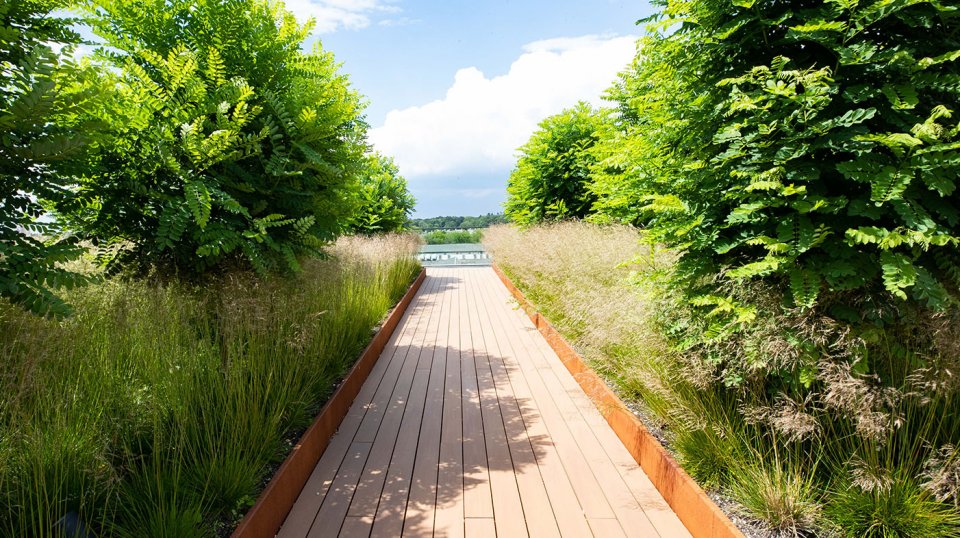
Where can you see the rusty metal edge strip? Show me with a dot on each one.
(698, 513)
(277, 499)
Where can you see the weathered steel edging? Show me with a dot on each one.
(696, 511)
(275, 502)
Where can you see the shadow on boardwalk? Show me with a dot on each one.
(469, 424)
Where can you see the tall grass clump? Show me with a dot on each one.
(159, 407)
(813, 426)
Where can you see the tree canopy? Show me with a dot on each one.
(816, 145)
(385, 203)
(552, 177)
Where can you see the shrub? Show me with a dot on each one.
(551, 177)
(39, 136)
(385, 202)
(812, 146)
(784, 416)
(227, 140)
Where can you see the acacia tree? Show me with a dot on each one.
(385, 203)
(41, 133)
(227, 140)
(810, 144)
(551, 179)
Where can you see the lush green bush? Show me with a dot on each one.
(833, 449)
(385, 203)
(158, 409)
(227, 140)
(810, 145)
(449, 237)
(40, 132)
(550, 181)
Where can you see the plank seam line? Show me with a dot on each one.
(422, 303)
(541, 347)
(502, 320)
(434, 309)
(495, 341)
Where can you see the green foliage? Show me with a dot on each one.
(815, 146)
(786, 500)
(226, 139)
(460, 223)
(385, 202)
(450, 237)
(157, 410)
(897, 509)
(811, 425)
(550, 181)
(41, 96)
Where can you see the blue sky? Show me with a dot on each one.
(455, 87)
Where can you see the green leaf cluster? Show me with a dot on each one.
(813, 145)
(551, 179)
(43, 94)
(385, 203)
(225, 140)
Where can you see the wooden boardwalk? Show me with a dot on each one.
(469, 425)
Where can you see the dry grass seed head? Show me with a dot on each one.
(861, 399)
(792, 419)
(869, 478)
(941, 474)
(352, 249)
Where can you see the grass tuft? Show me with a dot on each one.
(902, 509)
(787, 501)
(159, 407)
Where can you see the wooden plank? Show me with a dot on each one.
(585, 484)
(610, 528)
(448, 521)
(507, 508)
(334, 508)
(566, 506)
(537, 511)
(356, 527)
(374, 413)
(642, 490)
(390, 511)
(480, 527)
(367, 496)
(565, 393)
(305, 508)
(422, 502)
(691, 505)
(566, 424)
(621, 499)
(477, 501)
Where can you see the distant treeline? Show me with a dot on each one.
(449, 223)
(451, 237)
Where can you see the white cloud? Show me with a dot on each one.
(399, 21)
(482, 121)
(332, 15)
